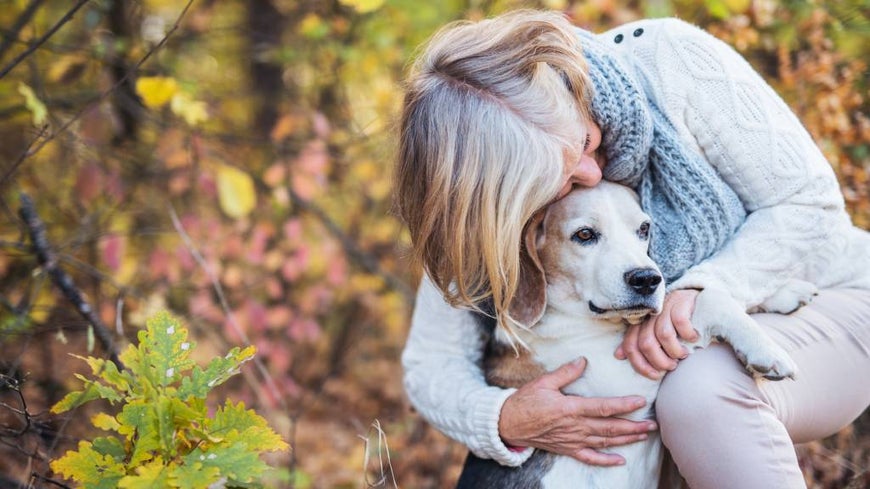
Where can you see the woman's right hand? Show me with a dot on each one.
(539, 415)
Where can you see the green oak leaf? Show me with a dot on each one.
(194, 476)
(164, 347)
(218, 371)
(237, 462)
(140, 425)
(235, 423)
(111, 446)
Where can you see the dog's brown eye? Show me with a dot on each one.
(585, 236)
(643, 231)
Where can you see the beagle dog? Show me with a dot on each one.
(586, 274)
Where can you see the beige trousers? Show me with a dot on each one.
(725, 430)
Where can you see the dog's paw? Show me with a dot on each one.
(791, 297)
(767, 360)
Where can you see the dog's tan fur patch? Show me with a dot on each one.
(504, 367)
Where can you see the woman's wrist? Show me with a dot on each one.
(487, 419)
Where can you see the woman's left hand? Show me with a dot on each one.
(653, 347)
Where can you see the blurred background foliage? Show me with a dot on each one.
(231, 161)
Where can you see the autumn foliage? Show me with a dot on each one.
(167, 437)
(231, 162)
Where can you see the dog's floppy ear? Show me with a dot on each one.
(530, 300)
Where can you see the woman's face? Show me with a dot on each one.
(585, 171)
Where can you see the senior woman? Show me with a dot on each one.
(505, 115)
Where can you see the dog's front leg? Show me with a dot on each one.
(719, 317)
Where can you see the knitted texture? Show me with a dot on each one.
(693, 210)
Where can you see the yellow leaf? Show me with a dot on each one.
(41, 307)
(363, 6)
(192, 111)
(156, 91)
(105, 422)
(67, 68)
(33, 104)
(364, 282)
(235, 191)
(313, 27)
(738, 6)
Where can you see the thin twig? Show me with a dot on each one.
(33, 47)
(23, 156)
(48, 260)
(231, 318)
(50, 481)
(383, 447)
(12, 35)
(16, 387)
(838, 459)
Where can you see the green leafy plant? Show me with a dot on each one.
(165, 436)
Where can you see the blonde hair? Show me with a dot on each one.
(492, 110)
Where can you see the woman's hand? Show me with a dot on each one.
(653, 347)
(540, 416)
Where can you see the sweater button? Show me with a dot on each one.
(638, 32)
(618, 38)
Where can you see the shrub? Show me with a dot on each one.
(165, 437)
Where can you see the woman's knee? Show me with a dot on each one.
(705, 386)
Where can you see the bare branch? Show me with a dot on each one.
(35, 45)
(12, 35)
(22, 157)
(13, 384)
(50, 481)
(49, 262)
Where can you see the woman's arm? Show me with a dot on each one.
(444, 381)
(756, 143)
(796, 218)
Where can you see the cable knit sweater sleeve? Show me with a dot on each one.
(718, 102)
(444, 379)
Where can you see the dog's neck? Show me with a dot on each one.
(559, 323)
(560, 338)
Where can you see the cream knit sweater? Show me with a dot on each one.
(796, 228)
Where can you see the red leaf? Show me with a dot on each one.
(89, 183)
(292, 230)
(113, 247)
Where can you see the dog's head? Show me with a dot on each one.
(586, 255)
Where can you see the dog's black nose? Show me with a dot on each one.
(644, 281)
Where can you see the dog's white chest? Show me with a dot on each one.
(641, 471)
(605, 376)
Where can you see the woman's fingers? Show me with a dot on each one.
(682, 306)
(617, 427)
(538, 414)
(632, 351)
(603, 407)
(651, 348)
(562, 376)
(654, 346)
(599, 442)
(592, 457)
(668, 340)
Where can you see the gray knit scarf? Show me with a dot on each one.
(693, 210)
